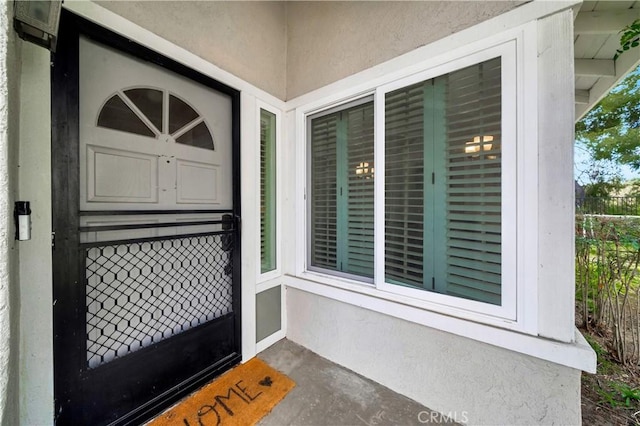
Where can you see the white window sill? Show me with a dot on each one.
(268, 280)
(577, 354)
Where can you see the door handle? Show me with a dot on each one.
(227, 222)
(230, 222)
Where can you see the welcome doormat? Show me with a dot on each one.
(240, 397)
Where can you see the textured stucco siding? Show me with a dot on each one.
(9, 298)
(247, 39)
(291, 48)
(327, 41)
(36, 311)
(473, 382)
(5, 332)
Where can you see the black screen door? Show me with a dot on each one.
(145, 164)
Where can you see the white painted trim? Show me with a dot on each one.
(277, 272)
(269, 341)
(595, 68)
(266, 285)
(511, 145)
(527, 176)
(555, 188)
(578, 354)
(604, 21)
(582, 96)
(349, 102)
(116, 23)
(249, 161)
(378, 187)
(283, 293)
(298, 123)
(267, 276)
(291, 187)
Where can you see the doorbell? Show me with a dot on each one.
(22, 217)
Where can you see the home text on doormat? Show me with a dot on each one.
(240, 397)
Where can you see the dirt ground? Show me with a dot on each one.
(596, 411)
(603, 402)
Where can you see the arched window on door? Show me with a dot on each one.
(153, 112)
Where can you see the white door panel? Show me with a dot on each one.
(116, 175)
(128, 171)
(197, 182)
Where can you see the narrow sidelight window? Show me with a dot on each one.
(267, 191)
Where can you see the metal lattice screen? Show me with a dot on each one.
(139, 293)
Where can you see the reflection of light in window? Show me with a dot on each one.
(364, 171)
(473, 146)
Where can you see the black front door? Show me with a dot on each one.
(146, 250)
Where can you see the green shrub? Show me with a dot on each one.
(607, 280)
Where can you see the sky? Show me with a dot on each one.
(581, 157)
(581, 161)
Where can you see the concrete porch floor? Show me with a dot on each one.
(328, 394)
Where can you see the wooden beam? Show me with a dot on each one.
(625, 63)
(582, 97)
(604, 22)
(595, 68)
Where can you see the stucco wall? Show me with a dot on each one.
(9, 297)
(473, 382)
(36, 311)
(269, 44)
(15, 62)
(245, 39)
(5, 331)
(327, 41)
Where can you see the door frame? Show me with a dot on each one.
(65, 206)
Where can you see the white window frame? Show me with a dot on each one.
(277, 271)
(358, 101)
(507, 309)
(519, 177)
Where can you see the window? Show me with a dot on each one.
(342, 185)
(118, 116)
(444, 182)
(140, 111)
(267, 191)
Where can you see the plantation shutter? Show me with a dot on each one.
(404, 186)
(443, 184)
(473, 182)
(359, 255)
(267, 192)
(323, 186)
(342, 176)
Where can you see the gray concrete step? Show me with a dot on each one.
(328, 394)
